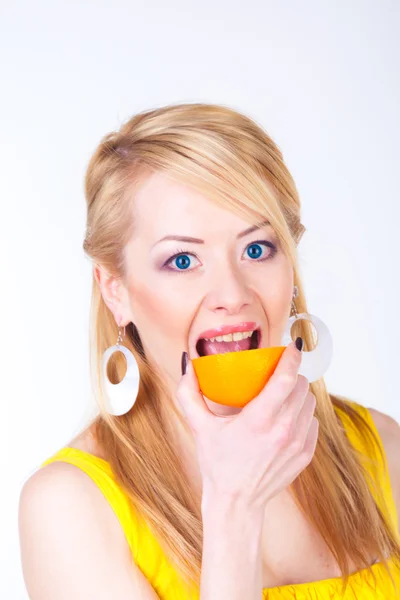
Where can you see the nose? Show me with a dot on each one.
(229, 290)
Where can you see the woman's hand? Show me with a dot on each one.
(253, 455)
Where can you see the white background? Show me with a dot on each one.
(322, 77)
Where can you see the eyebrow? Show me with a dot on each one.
(193, 240)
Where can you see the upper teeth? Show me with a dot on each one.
(231, 337)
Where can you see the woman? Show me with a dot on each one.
(177, 496)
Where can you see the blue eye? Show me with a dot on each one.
(257, 252)
(183, 262)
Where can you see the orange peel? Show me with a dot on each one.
(235, 378)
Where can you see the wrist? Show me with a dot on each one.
(218, 505)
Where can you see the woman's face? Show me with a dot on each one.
(178, 289)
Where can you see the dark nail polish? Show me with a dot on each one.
(184, 362)
(299, 343)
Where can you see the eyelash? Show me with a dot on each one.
(182, 251)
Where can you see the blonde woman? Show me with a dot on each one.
(174, 496)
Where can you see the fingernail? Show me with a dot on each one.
(299, 343)
(184, 362)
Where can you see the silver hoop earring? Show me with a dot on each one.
(315, 363)
(121, 396)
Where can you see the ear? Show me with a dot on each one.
(114, 294)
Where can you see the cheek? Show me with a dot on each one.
(276, 284)
(279, 296)
(277, 293)
(158, 312)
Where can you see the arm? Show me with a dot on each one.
(72, 545)
(232, 551)
(389, 431)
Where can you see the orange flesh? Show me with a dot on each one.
(235, 378)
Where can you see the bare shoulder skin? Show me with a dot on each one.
(72, 544)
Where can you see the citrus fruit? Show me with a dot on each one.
(235, 378)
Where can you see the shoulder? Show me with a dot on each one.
(389, 432)
(66, 527)
(63, 521)
(63, 490)
(56, 481)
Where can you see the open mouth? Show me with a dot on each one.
(206, 347)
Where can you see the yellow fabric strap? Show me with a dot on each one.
(374, 461)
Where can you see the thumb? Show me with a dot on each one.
(190, 397)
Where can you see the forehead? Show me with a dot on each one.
(162, 205)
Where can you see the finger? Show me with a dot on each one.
(312, 439)
(304, 421)
(293, 404)
(269, 401)
(191, 400)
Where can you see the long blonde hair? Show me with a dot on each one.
(229, 158)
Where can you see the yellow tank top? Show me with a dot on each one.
(150, 558)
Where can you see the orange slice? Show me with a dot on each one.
(235, 378)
